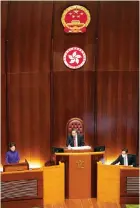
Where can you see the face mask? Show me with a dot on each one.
(123, 155)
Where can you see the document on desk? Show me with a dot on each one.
(80, 148)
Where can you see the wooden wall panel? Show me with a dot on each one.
(43, 93)
(29, 36)
(117, 77)
(29, 115)
(117, 111)
(73, 91)
(118, 36)
(29, 47)
(73, 97)
(4, 13)
(63, 41)
(3, 118)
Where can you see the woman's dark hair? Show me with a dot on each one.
(124, 149)
(11, 144)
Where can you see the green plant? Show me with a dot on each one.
(132, 206)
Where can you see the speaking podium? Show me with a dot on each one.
(80, 173)
(16, 167)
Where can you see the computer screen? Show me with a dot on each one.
(99, 149)
(57, 149)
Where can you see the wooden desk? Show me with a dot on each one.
(112, 181)
(129, 185)
(33, 188)
(80, 173)
(16, 167)
(22, 186)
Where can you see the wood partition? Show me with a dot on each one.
(33, 188)
(108, 183)
(112, 184)
(53, 180)
(129, 186)
(20, 186)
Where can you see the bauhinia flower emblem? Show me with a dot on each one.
(74, 58)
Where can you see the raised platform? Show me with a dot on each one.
(70, 203)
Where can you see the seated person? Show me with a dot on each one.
(12, 155)
(75, 139)
(125, 159)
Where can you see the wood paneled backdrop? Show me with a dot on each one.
(40, 94)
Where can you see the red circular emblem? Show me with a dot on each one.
(75, 19)
(74, 58)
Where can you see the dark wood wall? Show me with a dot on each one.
(117, 76)
(40, 94)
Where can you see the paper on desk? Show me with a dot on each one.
(81, 148)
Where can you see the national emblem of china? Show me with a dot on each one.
(74, 58)
(75, 19)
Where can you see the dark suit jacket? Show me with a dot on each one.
(120, 159)
(80, 138)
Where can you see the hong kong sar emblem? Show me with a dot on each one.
(75, 19)
(74, 58)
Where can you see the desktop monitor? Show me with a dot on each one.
(99, 149)
(57, 149)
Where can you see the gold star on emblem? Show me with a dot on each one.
(76, 11)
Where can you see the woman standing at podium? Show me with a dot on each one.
(12, 156)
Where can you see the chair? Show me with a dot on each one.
(75, 123)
